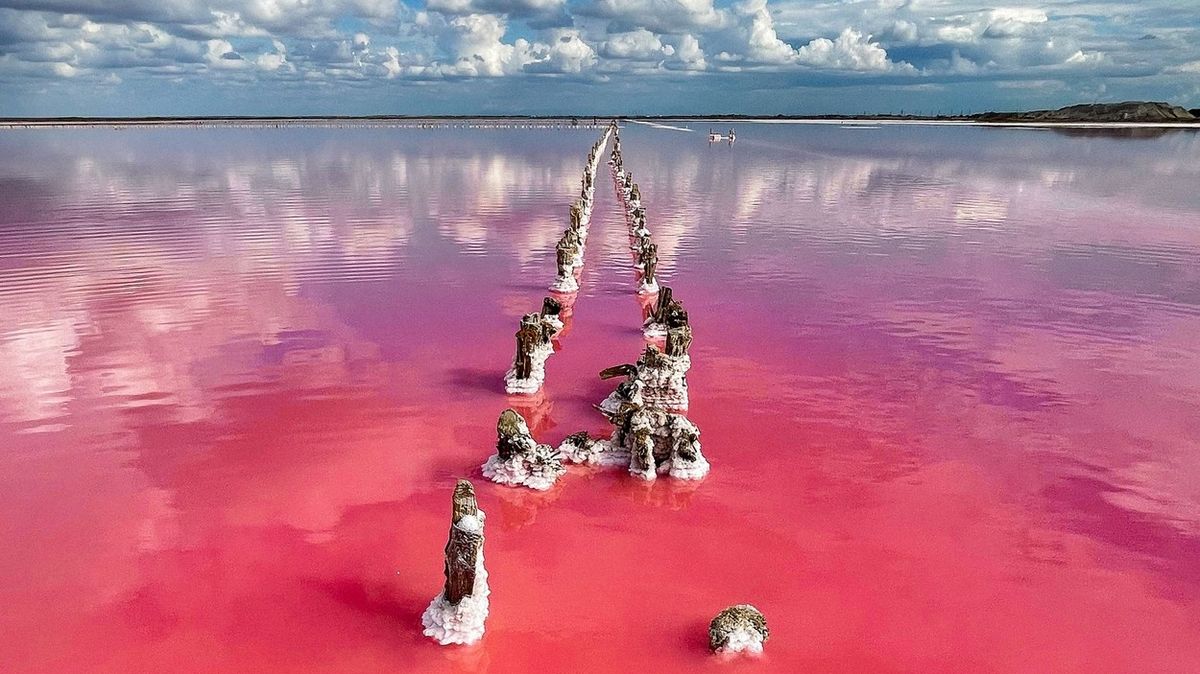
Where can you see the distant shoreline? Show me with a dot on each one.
(504, 121)
(1128, 114)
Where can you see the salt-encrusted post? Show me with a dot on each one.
(649, 262)
(528, 336)
(738, 629)
(679, 339)
(576, 215)
(463, 546)
(667, 313)
(552, 310)
(519, 460)
(534, 346)
(665, 295)
(456, 616)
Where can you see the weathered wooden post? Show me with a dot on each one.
(665, 295)
(519, 460)
(649, 261)
(679, 340)
(464, 544)
(456, 616)
(527, 338)
(528, 370)
(552, 313)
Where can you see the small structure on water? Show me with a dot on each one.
(714, 137)
(519, 460)
(738, 629)
(456, 616)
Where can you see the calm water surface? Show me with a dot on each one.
(948, 378)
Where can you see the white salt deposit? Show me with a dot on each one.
(537, 373)
(743, 640)
(448, 623)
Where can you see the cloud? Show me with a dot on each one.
(762, 43)
(274, 60)
(851, 50)
(567, 54)
(759, 47)
(660, 16)
(1192, 67)
(637, 45)
(688, 54)
(511, 7)
(1006, 22)
(477, 48)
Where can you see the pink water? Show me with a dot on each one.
(948, 379)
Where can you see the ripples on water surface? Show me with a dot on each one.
(947, 377)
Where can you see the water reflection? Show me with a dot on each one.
(239, 368)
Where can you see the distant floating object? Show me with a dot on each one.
(714, 137)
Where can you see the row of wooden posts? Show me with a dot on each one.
(651, 433)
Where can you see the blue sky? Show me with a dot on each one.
(197, 57)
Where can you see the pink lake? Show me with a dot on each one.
(948, 379)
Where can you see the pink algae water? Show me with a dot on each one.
(948, 380)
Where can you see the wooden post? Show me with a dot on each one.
(660, 308)
(508, 432)
(641, 454)
(624, 370)
(462, 549)
(528, 336)
(650, 262)
(679, 340)
(675, 315)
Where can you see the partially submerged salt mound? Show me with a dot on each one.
(528, 370)
(648, 439)
(738, 629)
(456, 616)
(519, 460)
(666, 313)
(659, 442)
(662, 374)
(583, 449)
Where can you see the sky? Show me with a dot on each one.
(599, 57)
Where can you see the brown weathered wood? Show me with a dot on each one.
(675, 316)
(508, 432)
(576, 215)
(623, 370)
(563, 257)
(551, 306)
(462, 548)
(660, 307)
(679, 340)
(528, 337)
(649, 260)
(641, 455)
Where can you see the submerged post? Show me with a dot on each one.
(738, 629)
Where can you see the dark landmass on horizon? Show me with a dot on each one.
(1129, 112)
